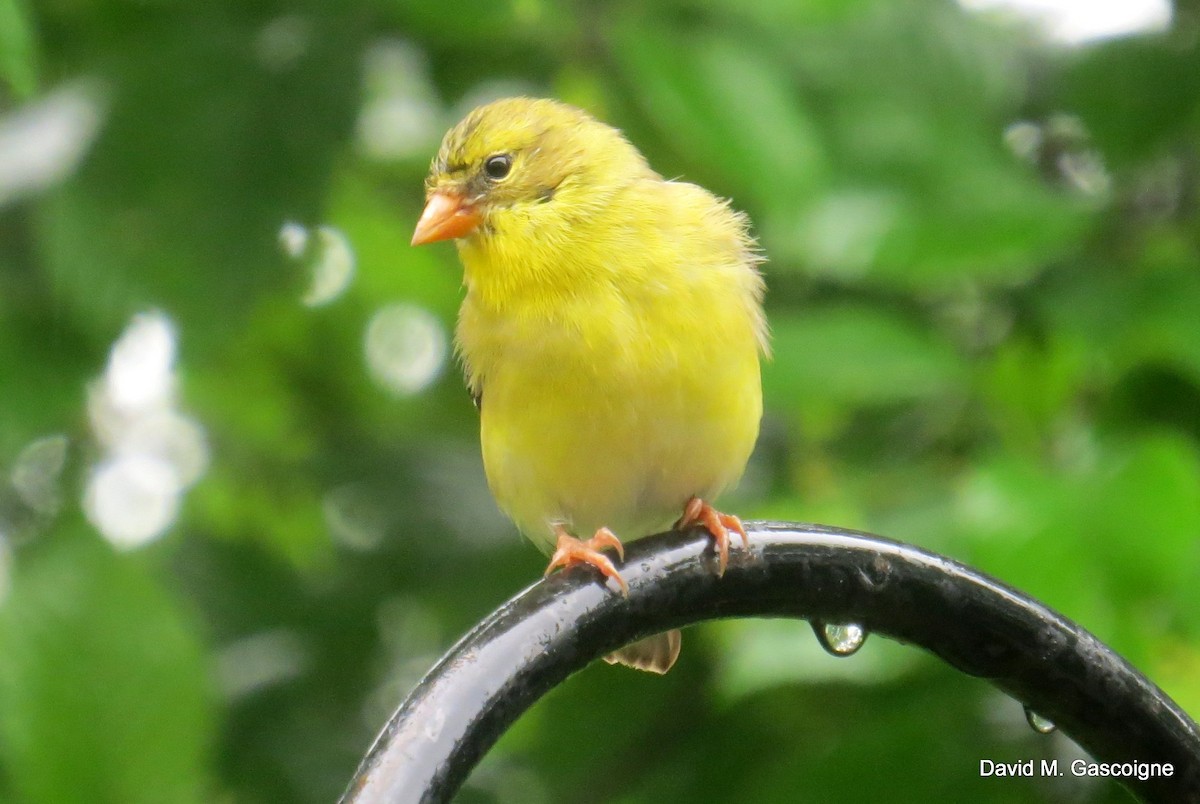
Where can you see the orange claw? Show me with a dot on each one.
(569, 551)
(718, 525)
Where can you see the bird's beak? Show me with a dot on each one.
(447, 215)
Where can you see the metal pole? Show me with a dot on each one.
(973, 622)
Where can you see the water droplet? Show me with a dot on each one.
(1038, 723)
(405, 348)
(839, 639)
(326, 256)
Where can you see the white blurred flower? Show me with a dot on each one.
(1076, 22)
(43, 142)
(151, 451)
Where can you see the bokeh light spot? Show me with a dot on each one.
(326, 256)
(36, 473)
(282, 42)
(151, 451)
(42, 143)
(132, 499)
(1076, 22)
(353, 518)
(261, 660)
(401, 117)
(405, 348)
(139, 372)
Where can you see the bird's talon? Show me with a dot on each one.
(606, 538)
(718, 525)
(569, 551)
(734, 523)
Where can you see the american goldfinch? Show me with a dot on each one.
(610, 334)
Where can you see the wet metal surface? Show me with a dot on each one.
(973, 622)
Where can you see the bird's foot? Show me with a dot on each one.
(718, 525)
(569, 551)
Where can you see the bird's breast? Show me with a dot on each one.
(607, 414)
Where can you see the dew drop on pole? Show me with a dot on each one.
(839, 639)
(1041, 725)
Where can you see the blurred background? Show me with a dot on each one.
(242, 508)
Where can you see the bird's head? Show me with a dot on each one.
(521, 160)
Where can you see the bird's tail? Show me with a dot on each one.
(655, 654)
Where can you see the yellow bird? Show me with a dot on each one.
(610, 334)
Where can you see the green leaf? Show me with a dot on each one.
(102, 681)
(761, 654)
(1029, 388)
(856, 355)
(789, 15)
(990, 223)
(211, 144)
(1144, 515)
(391, 269)
(478, 27)
(18, 50)
(1130, 316)
(1135, 95)
(723, 104)
(1021, 523)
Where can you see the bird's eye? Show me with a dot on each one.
(497, 167)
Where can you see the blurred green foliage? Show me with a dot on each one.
(985, 294)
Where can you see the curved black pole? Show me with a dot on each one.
(977, 624)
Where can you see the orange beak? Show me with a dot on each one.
(447, 215)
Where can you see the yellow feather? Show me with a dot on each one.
(612, 324)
